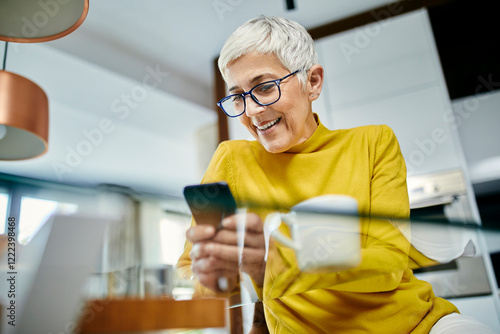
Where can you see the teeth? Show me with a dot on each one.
(268, 125)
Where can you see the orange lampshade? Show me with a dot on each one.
(24, 118)
(33, 21)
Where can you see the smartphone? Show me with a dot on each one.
(210, 203)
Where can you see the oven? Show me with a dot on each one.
(443, 197)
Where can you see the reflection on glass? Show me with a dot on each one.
(172, 239)
(35, 212)
(448, 259)
(4, 201)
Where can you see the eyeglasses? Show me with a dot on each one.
(263, 94)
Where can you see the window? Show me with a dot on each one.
(35, 212)
(172, 238)
(4, 202)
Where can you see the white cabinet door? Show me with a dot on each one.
(389, 73)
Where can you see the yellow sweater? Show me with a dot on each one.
(381, 295)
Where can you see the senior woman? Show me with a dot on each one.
(271, 68)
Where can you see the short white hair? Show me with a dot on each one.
(287, 40)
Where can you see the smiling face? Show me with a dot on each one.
(286, 123)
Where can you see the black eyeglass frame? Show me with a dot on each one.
(250, 92)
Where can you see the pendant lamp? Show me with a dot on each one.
(24, 112)
(24, 118)
(33, 21)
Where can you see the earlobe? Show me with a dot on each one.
(313, 97)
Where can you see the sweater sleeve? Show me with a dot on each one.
(389, 191)
(384, 259)
(389, 194)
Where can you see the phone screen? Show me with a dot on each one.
(210, 203)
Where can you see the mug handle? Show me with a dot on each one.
(271, 227)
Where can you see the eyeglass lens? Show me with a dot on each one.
(264, 94)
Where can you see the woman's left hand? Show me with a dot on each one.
(223, 251)
(254, 249)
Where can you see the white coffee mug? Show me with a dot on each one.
(325, 233)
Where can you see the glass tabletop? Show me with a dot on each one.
(298, 257)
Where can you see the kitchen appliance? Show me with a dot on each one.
(442, 197)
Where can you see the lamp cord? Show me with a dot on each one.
(5, 55)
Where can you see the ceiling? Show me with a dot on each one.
(184, 37)
(162, 140)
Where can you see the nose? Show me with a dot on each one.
(252, 107)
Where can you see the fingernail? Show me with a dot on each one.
(191, 233)
(195, 251)
(223, 284)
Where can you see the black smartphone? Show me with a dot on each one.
(210, 203)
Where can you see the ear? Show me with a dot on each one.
(315, 81)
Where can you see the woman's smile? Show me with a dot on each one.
(264, 126)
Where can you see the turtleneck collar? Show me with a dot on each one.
(313, 143)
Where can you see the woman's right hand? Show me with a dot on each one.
(216, 255)
(215, 265)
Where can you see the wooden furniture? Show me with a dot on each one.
(142, 315)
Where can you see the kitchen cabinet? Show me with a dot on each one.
(389, 72)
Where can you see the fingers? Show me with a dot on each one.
(252, 227)
(230, 237)
(220, 256)
(253, 223)
(215, 250)
(215, 274)
(223, 253)
(215, 260)
(212, 264)
(220, 281)
(200, 233)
